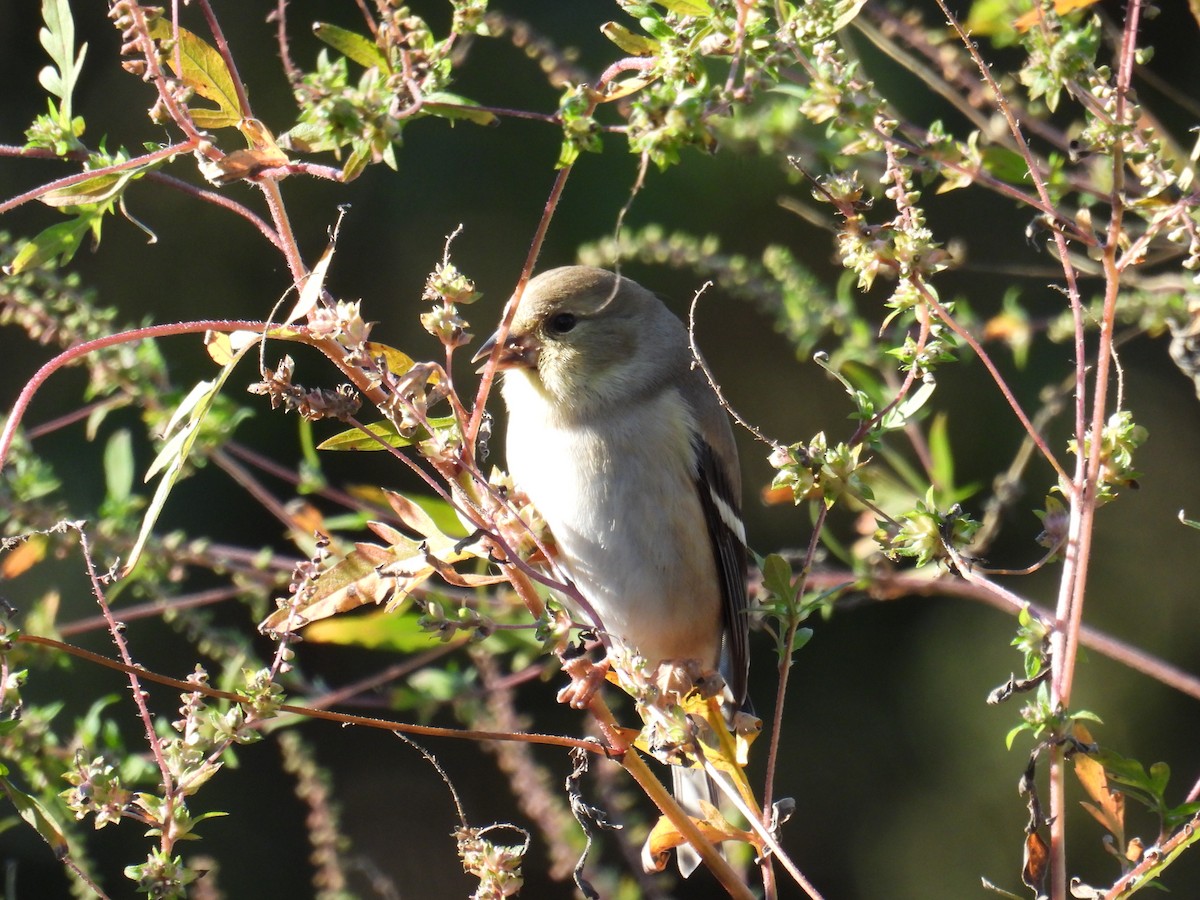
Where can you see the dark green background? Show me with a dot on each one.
(903, 786)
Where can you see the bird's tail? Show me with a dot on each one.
(690, 786)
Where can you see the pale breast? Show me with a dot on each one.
(620, 499)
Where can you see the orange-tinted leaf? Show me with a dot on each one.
(245, 164)
(664, 836)
(1062, 7)
(24, 556)
(1109, 806)
(1037, 861)
(776, 496)
(347, 585)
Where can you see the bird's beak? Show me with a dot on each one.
(519, 351)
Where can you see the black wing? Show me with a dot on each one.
(722, 515)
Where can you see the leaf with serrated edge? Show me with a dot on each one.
(205, 72)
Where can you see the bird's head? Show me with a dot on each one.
(586, 338)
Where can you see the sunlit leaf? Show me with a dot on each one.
(35, 814)
(688, 7)
(94, 190)
(205, 72)
(452, 106)
(118, 465)
(173, 456)
(314, 285)
(348, 584)
(399, 633)
(1108, 807)
(58, 40)
(56, 244)
(24, 556)
(352, 45)
(630, 41)
(1061, 7)
(380, 435)
(397, 361)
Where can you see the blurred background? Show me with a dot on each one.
(903, 785)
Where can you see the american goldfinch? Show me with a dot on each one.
(622, 445)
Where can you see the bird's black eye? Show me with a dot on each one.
(562, 322)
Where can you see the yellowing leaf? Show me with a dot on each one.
(205, 72)
(100, 189)
(24, 556)
(397, 361)
(375, 631)
(348, 584)
(631, 42)
(1061, 7)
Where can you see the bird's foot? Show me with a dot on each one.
(586, 678)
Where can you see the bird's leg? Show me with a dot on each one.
(586, 678)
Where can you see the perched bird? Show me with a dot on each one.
(622, 445)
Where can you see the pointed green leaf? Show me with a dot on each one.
(56, 244)
(100, 189)
(451, 106)
(34, 813)
(630, 41)
(118, 466)
(174, 455)
(399, 633)
(380, 435)
(352, 45)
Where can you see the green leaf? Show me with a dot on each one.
(630, 41)
(353, 46)
(777, 577)
(901, 413)
(33, 812)
(445, 105)
(399, 633)
(100, 189)
(205, 72)
(849, 12)
(118, 466)
(56, 244)
(380, 436)
(58, 40)
(689, 7)
(174, 454)
(940, 455)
